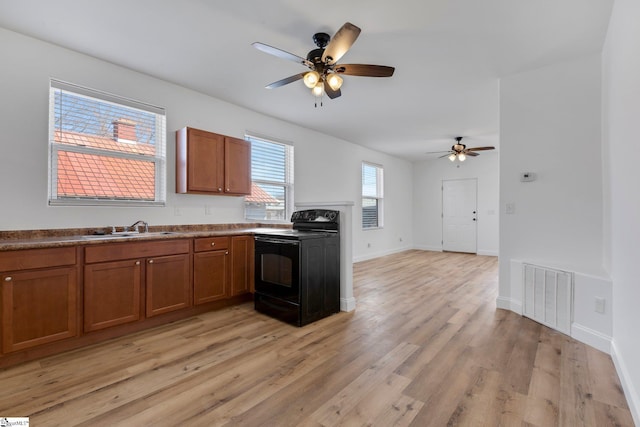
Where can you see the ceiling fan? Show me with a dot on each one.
(324, 76)
(460, 151)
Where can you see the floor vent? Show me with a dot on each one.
(548, 296)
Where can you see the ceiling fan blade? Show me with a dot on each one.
(446, 155)
(282, 54)
(438, 152)
(470, 153)
(340, 43)
(365, 70)
(481, 148)
(332, 94)
(286, 81)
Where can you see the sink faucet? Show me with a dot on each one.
(138, 223)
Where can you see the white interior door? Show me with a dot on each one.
(459, 215)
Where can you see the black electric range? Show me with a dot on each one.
(297, 271)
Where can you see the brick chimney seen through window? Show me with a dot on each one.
(124, 130)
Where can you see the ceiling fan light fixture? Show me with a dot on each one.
(452, 157)
(318, 89)
(311, 79)
(462, 157)
(335, 81)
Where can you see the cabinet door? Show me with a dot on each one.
(38, 307)
(210, 276)
(242, 250)
(168, 284)
(205, 161)
(111, 294)
(237, 175)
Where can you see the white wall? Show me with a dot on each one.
(550, 121)
(326, 168)
(427, 196)
(621, 116)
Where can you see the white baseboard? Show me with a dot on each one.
(629, 390)
(374, 255)
(487, 253)
(428, 248)
(347, 304)
(509, 304)
(591, 337)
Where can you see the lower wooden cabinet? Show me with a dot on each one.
(241, 264)
(123, 283)
(168, 287)
(111, 294)
(38, 307)
(210, 276)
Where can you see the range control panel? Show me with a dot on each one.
(315, 215)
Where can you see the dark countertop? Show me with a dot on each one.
(35, 239)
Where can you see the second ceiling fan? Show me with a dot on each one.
(460, 151)
(325, 74)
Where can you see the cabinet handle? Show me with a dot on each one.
(8, 279)
(137, 262)
(226, 253)
(213, 243)
(150, 261)
(228, 189)
(219, 188)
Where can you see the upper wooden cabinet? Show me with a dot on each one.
(209, 163)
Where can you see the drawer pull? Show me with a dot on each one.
(8, 279)
(137, 262)
(150, 261)
(213, 243)
(219, 188)
(226, 253)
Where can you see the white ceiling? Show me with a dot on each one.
(448, 54)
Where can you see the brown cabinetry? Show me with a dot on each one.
(167, 284)
(111, 294)
(39, 297)
(241, 264)
(56, 299)
(114, 274)
(210, 269)
(209, 163)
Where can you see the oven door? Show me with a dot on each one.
(277, 267)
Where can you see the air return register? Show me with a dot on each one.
(548, 296)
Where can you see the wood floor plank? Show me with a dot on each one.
(425, 346)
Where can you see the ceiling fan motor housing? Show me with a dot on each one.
(321, 39)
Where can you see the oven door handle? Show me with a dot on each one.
(277, 241)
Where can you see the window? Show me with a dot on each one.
(104, 149)
(271, 181)
(372, 185)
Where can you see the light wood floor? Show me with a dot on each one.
(425, 346)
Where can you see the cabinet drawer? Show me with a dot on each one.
(131, 250)
(37, 258)
(211, 244)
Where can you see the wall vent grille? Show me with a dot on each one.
(548, 296)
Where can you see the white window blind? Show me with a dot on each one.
(104, 149)
(372, 195)
(272, 180)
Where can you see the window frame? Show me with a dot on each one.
(158, 159)
(379, 196)
(288, 184)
